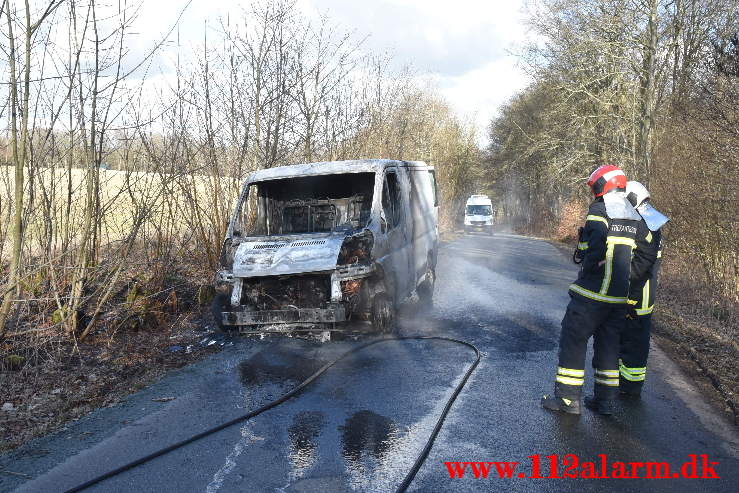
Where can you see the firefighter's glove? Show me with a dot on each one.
(577, 257)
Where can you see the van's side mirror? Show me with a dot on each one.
(383, 224)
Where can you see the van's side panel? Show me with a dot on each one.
(395, 257)
(425, 217)
(406, 260)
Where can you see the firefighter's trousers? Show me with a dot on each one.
(632, 367)
(583, 319)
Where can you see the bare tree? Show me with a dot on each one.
(19, 145)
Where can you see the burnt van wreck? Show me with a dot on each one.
(317, 246)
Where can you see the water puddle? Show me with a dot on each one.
(303, 432)
(366, 437)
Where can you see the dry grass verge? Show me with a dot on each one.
(709, 358)
(155, 322)
(76, 379)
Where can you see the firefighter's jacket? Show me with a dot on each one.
(606, 249)
(644, 269)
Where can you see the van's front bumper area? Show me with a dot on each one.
(478, 227)
(334, 313)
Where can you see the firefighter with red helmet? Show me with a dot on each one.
(598, 298)
(635, 333)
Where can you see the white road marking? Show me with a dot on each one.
(247, 437)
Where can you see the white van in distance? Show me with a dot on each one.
(478, 214)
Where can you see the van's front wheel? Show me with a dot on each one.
(383, 314)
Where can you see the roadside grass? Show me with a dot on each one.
(86, 376)
(704, 344)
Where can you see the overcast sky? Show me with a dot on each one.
(463, 45)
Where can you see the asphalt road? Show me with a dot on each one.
(361, 425)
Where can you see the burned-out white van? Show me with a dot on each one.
(312, 246)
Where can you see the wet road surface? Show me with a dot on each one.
(362, 424)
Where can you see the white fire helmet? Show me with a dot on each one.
(638, 195)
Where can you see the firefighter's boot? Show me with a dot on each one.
(600, 406)
(561, 404)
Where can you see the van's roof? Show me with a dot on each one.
(479, 200)
(331, 168)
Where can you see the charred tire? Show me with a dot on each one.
(220, 304)
(383, 314)
(426, 291)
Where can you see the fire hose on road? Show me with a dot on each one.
(299, 388)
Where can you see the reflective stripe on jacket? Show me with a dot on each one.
(644, 270)
(606, 260)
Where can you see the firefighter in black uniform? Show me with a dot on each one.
(636, 331)
(598, 297)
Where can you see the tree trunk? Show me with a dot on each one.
(11, 289)
(646, 123)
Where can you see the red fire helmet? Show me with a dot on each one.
(606, 178)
